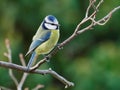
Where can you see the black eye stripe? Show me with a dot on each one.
(51, 23)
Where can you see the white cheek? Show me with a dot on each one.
(49, 26)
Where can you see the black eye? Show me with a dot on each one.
(52, 23)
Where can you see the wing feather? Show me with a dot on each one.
(38, 42)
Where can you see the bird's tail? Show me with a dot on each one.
(31, 60)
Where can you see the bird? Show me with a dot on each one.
(45, 39)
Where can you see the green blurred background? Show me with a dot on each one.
(91, 61)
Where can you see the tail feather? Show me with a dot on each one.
(31, 60)
(28, 52)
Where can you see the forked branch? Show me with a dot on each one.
(79, 30)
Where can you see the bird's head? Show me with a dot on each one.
(50, 23)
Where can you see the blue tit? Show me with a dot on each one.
(45, 38)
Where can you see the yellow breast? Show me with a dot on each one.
(47, 46)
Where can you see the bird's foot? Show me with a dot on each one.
(47, 58)
(58, 45)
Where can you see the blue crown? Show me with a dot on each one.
(51, 18)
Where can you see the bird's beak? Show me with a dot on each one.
(57, 24)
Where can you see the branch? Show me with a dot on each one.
(42, 72)
(80, 30)
(24, 69)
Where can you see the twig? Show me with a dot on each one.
(42, 72)
(105, 19)
(4, 88)
(20, 85)
(9, 56)
(91, 3)
(22, 59)
(24, 76)
(38, 87)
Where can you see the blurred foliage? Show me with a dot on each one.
(91, 60)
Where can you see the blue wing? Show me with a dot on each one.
(38, 42)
